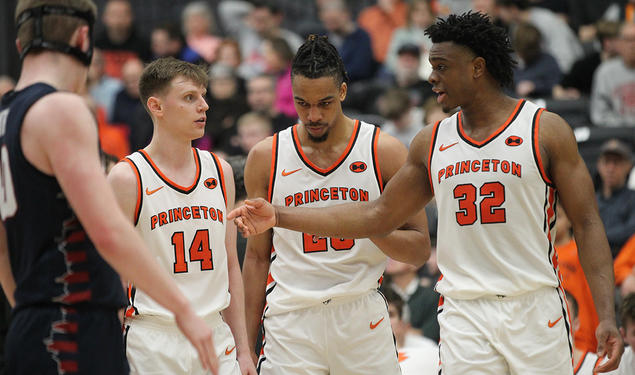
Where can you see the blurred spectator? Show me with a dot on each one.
(624, 267)
(487, 7)
(120, 41)
(278, 56)
(613, 92)
(395, 106)
(352, 42)
(445, 7)
(198, 28)
(579, 80)
(538, 72)
(584, 361)
(102, 88)
(228, 54)
(237, 163)
(380, 21)
(406, 75)
(627, 318)
(575, 282)
(261, 97)
(422, 301)
(128, 110)
(559, 39)
(6, 84)
(417, 355)
(167, 41)
(250, 22)
(252, 128)
(616, 202)
(226, 105)
(420, 16)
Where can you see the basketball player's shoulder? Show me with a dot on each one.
(554, 131)
(123, 174)
(67, 111)
(259, 158)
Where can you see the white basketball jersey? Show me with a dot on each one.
(184, 227)
(307, 270)
(496, 208)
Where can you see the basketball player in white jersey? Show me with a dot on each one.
(494, 168)
(178, 198)
(323, 312)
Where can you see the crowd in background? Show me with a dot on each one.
(577, 58)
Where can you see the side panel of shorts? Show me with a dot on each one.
(63, 340)
(528, 334)
(162, 349)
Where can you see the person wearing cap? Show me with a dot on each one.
(616, 201)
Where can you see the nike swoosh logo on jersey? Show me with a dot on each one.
(229, 351)
(285, 173)
(443, 148)
(551, 324)
(373, 326)
(150, 192)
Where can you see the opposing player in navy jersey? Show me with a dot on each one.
(496, 169)
(178, 198)
(59, 216)
(312, 286)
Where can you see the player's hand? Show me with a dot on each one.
(254, 216)
(246, 364)
(610, 345)
(200, 335)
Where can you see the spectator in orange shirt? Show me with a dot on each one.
(380, 21)
(575, 283)
(624, 267)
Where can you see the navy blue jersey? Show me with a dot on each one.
(52, 259)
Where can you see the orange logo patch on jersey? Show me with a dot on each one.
(358, 166)
(513, 140)
(211, 183)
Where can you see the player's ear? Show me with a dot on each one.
(18, 45)
(155, 106)
(343, 91)
(81, 38)
(478, 67)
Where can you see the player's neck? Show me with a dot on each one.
(169, 151)
(487, 110)
(41, 67)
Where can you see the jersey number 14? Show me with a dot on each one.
(199, 251)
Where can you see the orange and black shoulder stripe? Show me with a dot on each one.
(374, 151)
(221, 175)
(274, 166)
(137, 209)
(433, 141)
(535, 135)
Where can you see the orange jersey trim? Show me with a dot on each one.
(496, 132)
(221, 175)
(435, 130)
(272, 169)
(541, 167)
(349, 146)
(168, 180)
(137, 209)
(376, 161)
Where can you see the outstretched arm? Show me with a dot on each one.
(406, 194)
(571, 177)
(234, 314)
(65, 145)
(410, 243)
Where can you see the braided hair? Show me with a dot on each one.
(318, 58)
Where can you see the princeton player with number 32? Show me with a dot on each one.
(178, 197)
(497, 169)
